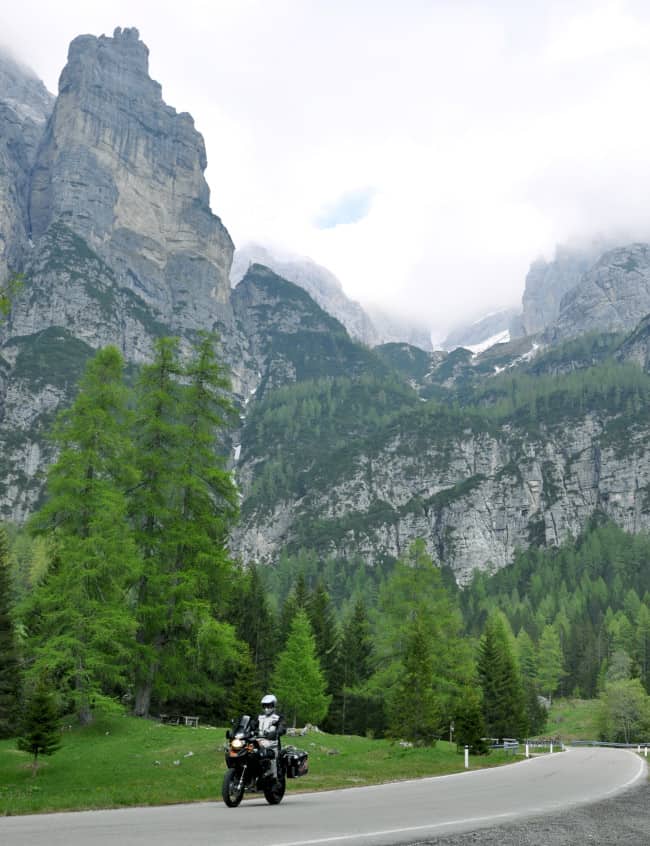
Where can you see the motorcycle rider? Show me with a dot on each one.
(270, 726)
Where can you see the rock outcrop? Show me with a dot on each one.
(474, 499)
(124, 172)
(25, 106)
(548, 282)
(104, 206)
(612, 296)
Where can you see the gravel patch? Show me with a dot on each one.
(623, 820)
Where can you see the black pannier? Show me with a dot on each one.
(295, 762)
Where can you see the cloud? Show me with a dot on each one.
(488, 132)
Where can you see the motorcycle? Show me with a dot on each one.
(249, 765)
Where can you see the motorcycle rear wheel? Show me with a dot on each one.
(274, 793)
(231, 793)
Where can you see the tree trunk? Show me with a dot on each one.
(143, 690)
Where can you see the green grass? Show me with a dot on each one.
(574, 719)
(121, 761)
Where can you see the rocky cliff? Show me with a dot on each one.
(345, 450)
(124, 172)
(107, 213)
(613, 295)
(547, 282)
(25, 106)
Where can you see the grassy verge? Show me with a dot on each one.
(574, 719)
(122, 761)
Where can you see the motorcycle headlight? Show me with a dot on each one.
(237, 743)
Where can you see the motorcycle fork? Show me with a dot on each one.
(240, 786)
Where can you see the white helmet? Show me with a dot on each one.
(269, 701)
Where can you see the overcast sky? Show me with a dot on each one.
(425, 152)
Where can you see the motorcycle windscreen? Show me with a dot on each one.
(243, 724)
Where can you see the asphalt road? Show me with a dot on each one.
(397, 813)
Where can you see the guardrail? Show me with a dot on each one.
(640, 747)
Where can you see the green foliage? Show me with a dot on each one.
(625, 711)
(182, 509)
(413, 709)
(52, 356)
(305, 433)
(298, 680)
(79, 619)
(594, 593)
(353, 668)
(504, 705)
(10, 669)
(39, 729)
(8, 292)
(255, 625)
(549, 661)
(469, 725)
(415, 608)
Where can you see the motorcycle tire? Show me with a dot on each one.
(231, 793)
(275, 791)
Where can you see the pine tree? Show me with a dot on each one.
(39, 730)
(298, 680)
(503, 696)
(413, 709)
(79, 619)
(256, 626)
(295, 601)
(183, 508)
(349, 711)
(469, 723)
(326, 634)
(9, 661)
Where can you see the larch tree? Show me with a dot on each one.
(183, 508)
(550, 661)
(80, 618)
(298, 680)
(415, 590)
(10, 669)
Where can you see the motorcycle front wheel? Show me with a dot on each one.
(274, 793)
(231, 792)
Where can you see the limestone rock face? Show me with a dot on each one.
(474, 499)
(25, 105)
(124, 171)
(613, 296)
(548, 282)
(104, 207)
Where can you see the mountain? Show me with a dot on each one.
(344, 450)
(25, 106)
(319, 283)
(548, 282)
(612, 295)
(481, 334)
(110, 223)
(504, 461)
(290, 338)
